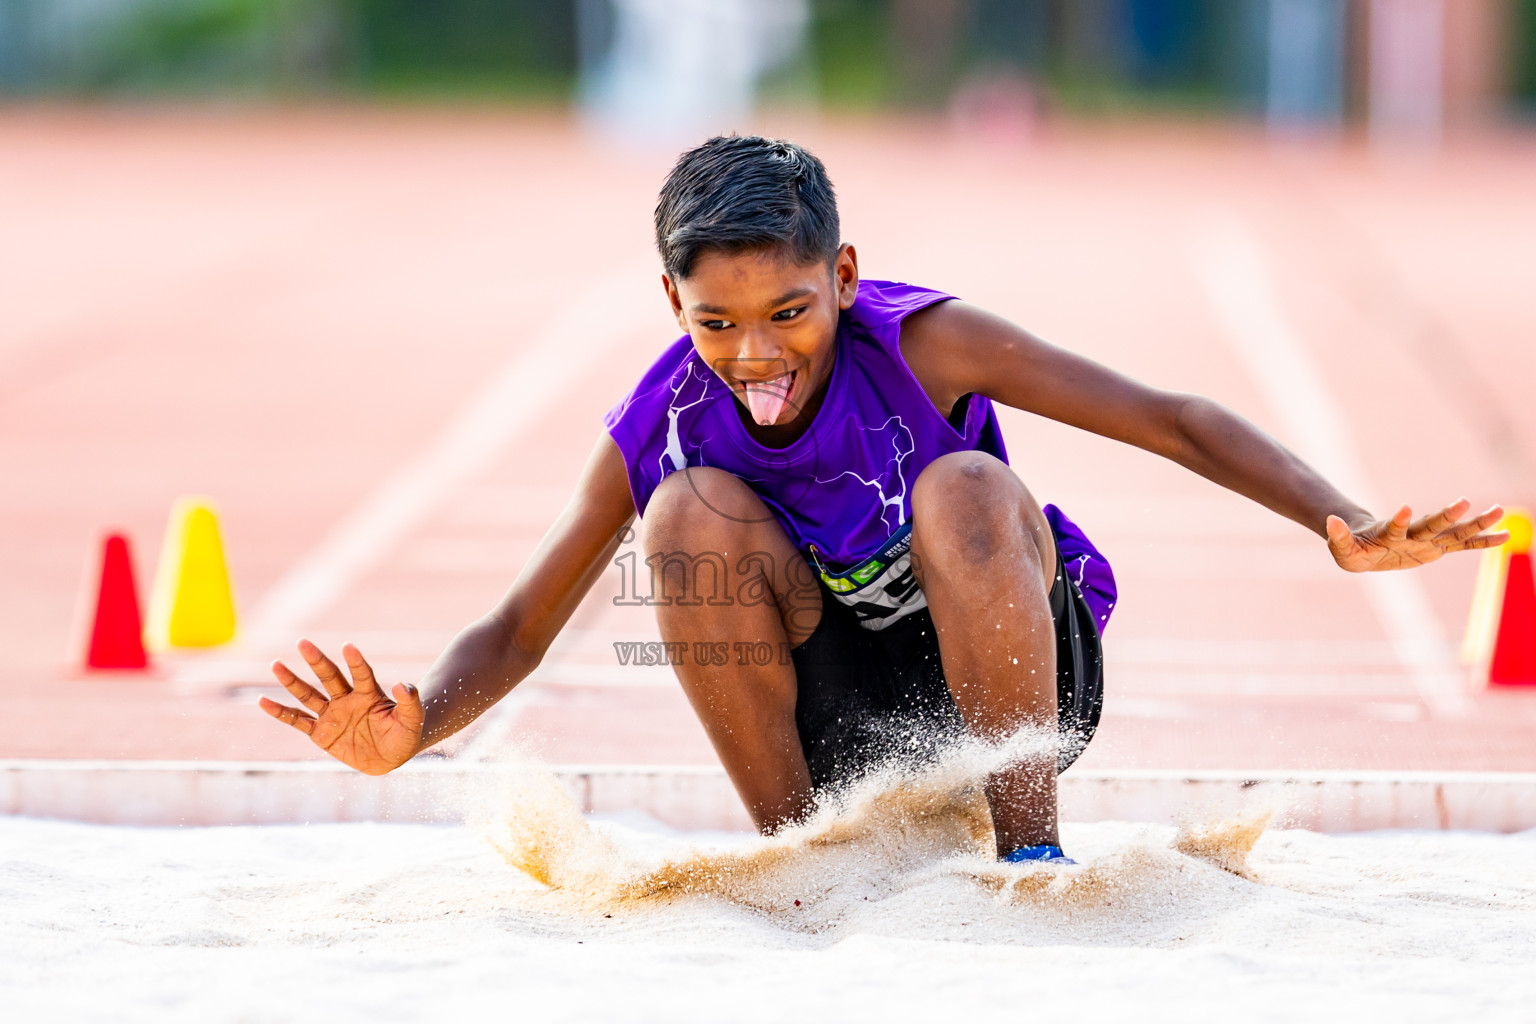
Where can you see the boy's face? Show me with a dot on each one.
(767, 326)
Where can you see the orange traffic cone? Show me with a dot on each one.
(116, 632)
(1512, 659)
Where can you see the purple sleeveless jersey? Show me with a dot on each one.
(843, 490)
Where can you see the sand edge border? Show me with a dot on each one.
(700, 797)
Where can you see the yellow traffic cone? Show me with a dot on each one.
(1488, 591)
(191, 604)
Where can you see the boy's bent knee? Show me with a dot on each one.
(699, 501)
(966, 479)
(970, 507)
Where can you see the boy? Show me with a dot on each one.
(828, 450)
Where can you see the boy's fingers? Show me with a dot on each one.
(330, 676)
(292, 716)
(1340, 539)
(1482, 540)
(408, 706)
(1470, 528)
(1489, 518)
(302, 691)
(1432, 526)
(1397, 526)
(362, 672)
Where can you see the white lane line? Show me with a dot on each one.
(1229, 261)
(517, 397)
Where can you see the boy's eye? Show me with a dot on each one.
(715, 325)
(790, 314)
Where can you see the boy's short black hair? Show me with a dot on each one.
(739, 193)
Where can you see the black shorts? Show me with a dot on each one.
(872, 697)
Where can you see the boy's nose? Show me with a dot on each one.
(759, 348)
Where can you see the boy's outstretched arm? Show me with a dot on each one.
(954, 349)
(357, 723)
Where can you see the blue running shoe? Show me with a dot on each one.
(1049, 854)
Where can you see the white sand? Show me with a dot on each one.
(901, 917)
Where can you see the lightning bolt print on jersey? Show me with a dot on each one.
(842, 490)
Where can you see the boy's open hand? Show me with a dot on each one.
(1403, 542)
(359, 725)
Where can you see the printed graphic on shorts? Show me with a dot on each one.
(892, 595)
(882, 589)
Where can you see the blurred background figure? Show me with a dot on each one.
(1304, 83)
(1407, 70)
(670, 70)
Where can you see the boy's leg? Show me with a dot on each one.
(985, 557)
(724, 573)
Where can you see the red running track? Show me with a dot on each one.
(405, 326)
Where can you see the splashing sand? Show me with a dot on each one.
(1225, 842)
(893, 833)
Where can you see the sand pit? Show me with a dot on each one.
(886, 908)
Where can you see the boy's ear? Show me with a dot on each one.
(845, 273)
(676, 300)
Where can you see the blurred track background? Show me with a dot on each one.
(368, 274)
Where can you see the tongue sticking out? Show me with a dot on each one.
(766, 400)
